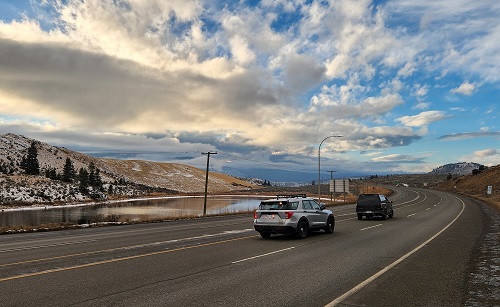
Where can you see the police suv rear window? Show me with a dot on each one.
(278, 205)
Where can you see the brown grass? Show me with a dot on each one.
(476, 186)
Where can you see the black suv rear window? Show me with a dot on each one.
(369, 198)
(278, 205)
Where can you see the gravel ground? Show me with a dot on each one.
(484, 278)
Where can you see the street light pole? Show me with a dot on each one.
(319, 164)
(332, 192)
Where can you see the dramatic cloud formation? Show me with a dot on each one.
(165, 80)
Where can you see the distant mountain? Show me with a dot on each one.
(126, 177)
(460, 169)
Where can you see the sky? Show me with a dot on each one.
(280, 90)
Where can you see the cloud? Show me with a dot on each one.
(421, 90)
(276, 76)
(400, 158)
(466, 39)
(465, 89)
(421, 105)
(469, 135)
(487, 153)
(488, 157)
(422, 119)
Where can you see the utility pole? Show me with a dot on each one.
(332, 192)
(208, 153)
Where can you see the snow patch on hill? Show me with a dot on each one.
(127, 177)
(460, 169)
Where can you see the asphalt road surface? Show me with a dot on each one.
(424, 256)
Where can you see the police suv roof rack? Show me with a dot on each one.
(291, 196)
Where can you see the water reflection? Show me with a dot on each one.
(130, 211)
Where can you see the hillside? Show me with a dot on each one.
(126, 177)
(172, 176)
(476, 185)
(462, 168)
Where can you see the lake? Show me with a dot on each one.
(128, 211)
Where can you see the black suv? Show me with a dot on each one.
(374, 205)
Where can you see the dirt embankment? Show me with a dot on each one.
(476, 185)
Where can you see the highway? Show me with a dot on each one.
(419, 258)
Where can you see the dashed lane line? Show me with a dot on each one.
(118, 259)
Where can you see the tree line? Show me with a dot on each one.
(89, 180)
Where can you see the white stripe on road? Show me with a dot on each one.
(44, 246)
(370, 227)
(263, 255)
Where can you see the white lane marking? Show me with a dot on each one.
(370, 227)
(227, 232)
(190, 238)
(390, 266)
(338, 215)
(263, 255)
(44, 246)
(412, 214)
(427, 209)
(409, 201)
(238, 231)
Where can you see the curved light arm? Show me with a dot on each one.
(319, 164)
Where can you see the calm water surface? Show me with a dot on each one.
(130, 211)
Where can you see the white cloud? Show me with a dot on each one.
(372, 154)
(397, 158)
(421, 105)
(206, 69)
(488, 157)
(421, 90)
(470, 135)
(465, 88)
(240, 50)
(422, 119)
(487, 153)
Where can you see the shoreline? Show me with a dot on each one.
(83, 204)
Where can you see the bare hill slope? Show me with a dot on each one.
(177, 177)
(476, 185)
(127, 177)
